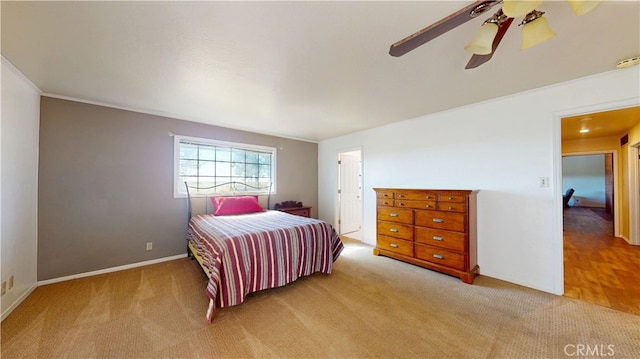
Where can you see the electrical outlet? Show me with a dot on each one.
(10, 283)
(3, 291)
(149, 246)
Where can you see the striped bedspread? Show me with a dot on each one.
(250, 252)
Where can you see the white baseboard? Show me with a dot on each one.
(18, 302)
(110, 270)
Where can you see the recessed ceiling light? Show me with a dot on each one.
(584, 130)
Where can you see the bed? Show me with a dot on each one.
(244, 249)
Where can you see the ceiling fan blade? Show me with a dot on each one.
(448, 23)
(477, 60)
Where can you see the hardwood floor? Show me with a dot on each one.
(598, 267)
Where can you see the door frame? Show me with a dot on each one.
(558, 250)
(616, 192)
(634, 193)
(338, 214)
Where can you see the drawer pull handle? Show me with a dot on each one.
(400, 196)
(394, 230)
(438, 256)
(438, 220)
(437, 238)
(393, 245)
(400, 204)
(428, 206)
(450, 208)
(450, 198)
(428, 197)
(393, 214)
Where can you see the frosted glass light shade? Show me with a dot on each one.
(482, 42)
(581, 7)
(535, 32)
(519, 8)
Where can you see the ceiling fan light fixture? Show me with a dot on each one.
(535, 30)
(483, 40)
(519, 8)
(581, 7)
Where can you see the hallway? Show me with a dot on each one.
(598, 267)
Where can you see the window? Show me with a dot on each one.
(205, 163)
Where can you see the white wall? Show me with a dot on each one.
(501, 147)
(586, 175)
(19, 179)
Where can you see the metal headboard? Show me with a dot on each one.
(234, 187)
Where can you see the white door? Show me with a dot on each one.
(349, 192)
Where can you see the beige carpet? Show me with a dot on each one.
(369, 307)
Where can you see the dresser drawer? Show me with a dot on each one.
(441, 220)
(396, 230)
(303, 211)
(398, 215)
(453, 207)
(440, 256)
(440, 238)
(452, 198)
(416, 195)
(384, 194)
(384, 202)
(395, 245)
(416, 204)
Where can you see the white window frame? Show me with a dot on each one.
(179, 190)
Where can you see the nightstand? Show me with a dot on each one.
(298, 211)
(294, 207)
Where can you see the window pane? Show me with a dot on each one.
(188, 151)
(265, 171)
(188, 168)
(237, 155)
(208, 182)
(223, 154)
(207, 169)
(237, 169)
(223, 169)
(265, 159)
(252, 157)
(207, 153)
(265, 185)
(251, 170)
(222, 180)
(238, 179)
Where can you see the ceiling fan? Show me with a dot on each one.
(535, 28)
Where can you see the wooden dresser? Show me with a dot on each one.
(431, 228)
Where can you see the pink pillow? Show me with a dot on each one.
(235, 205)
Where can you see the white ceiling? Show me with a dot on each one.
(307, 70)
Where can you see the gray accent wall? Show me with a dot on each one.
(105, 185)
